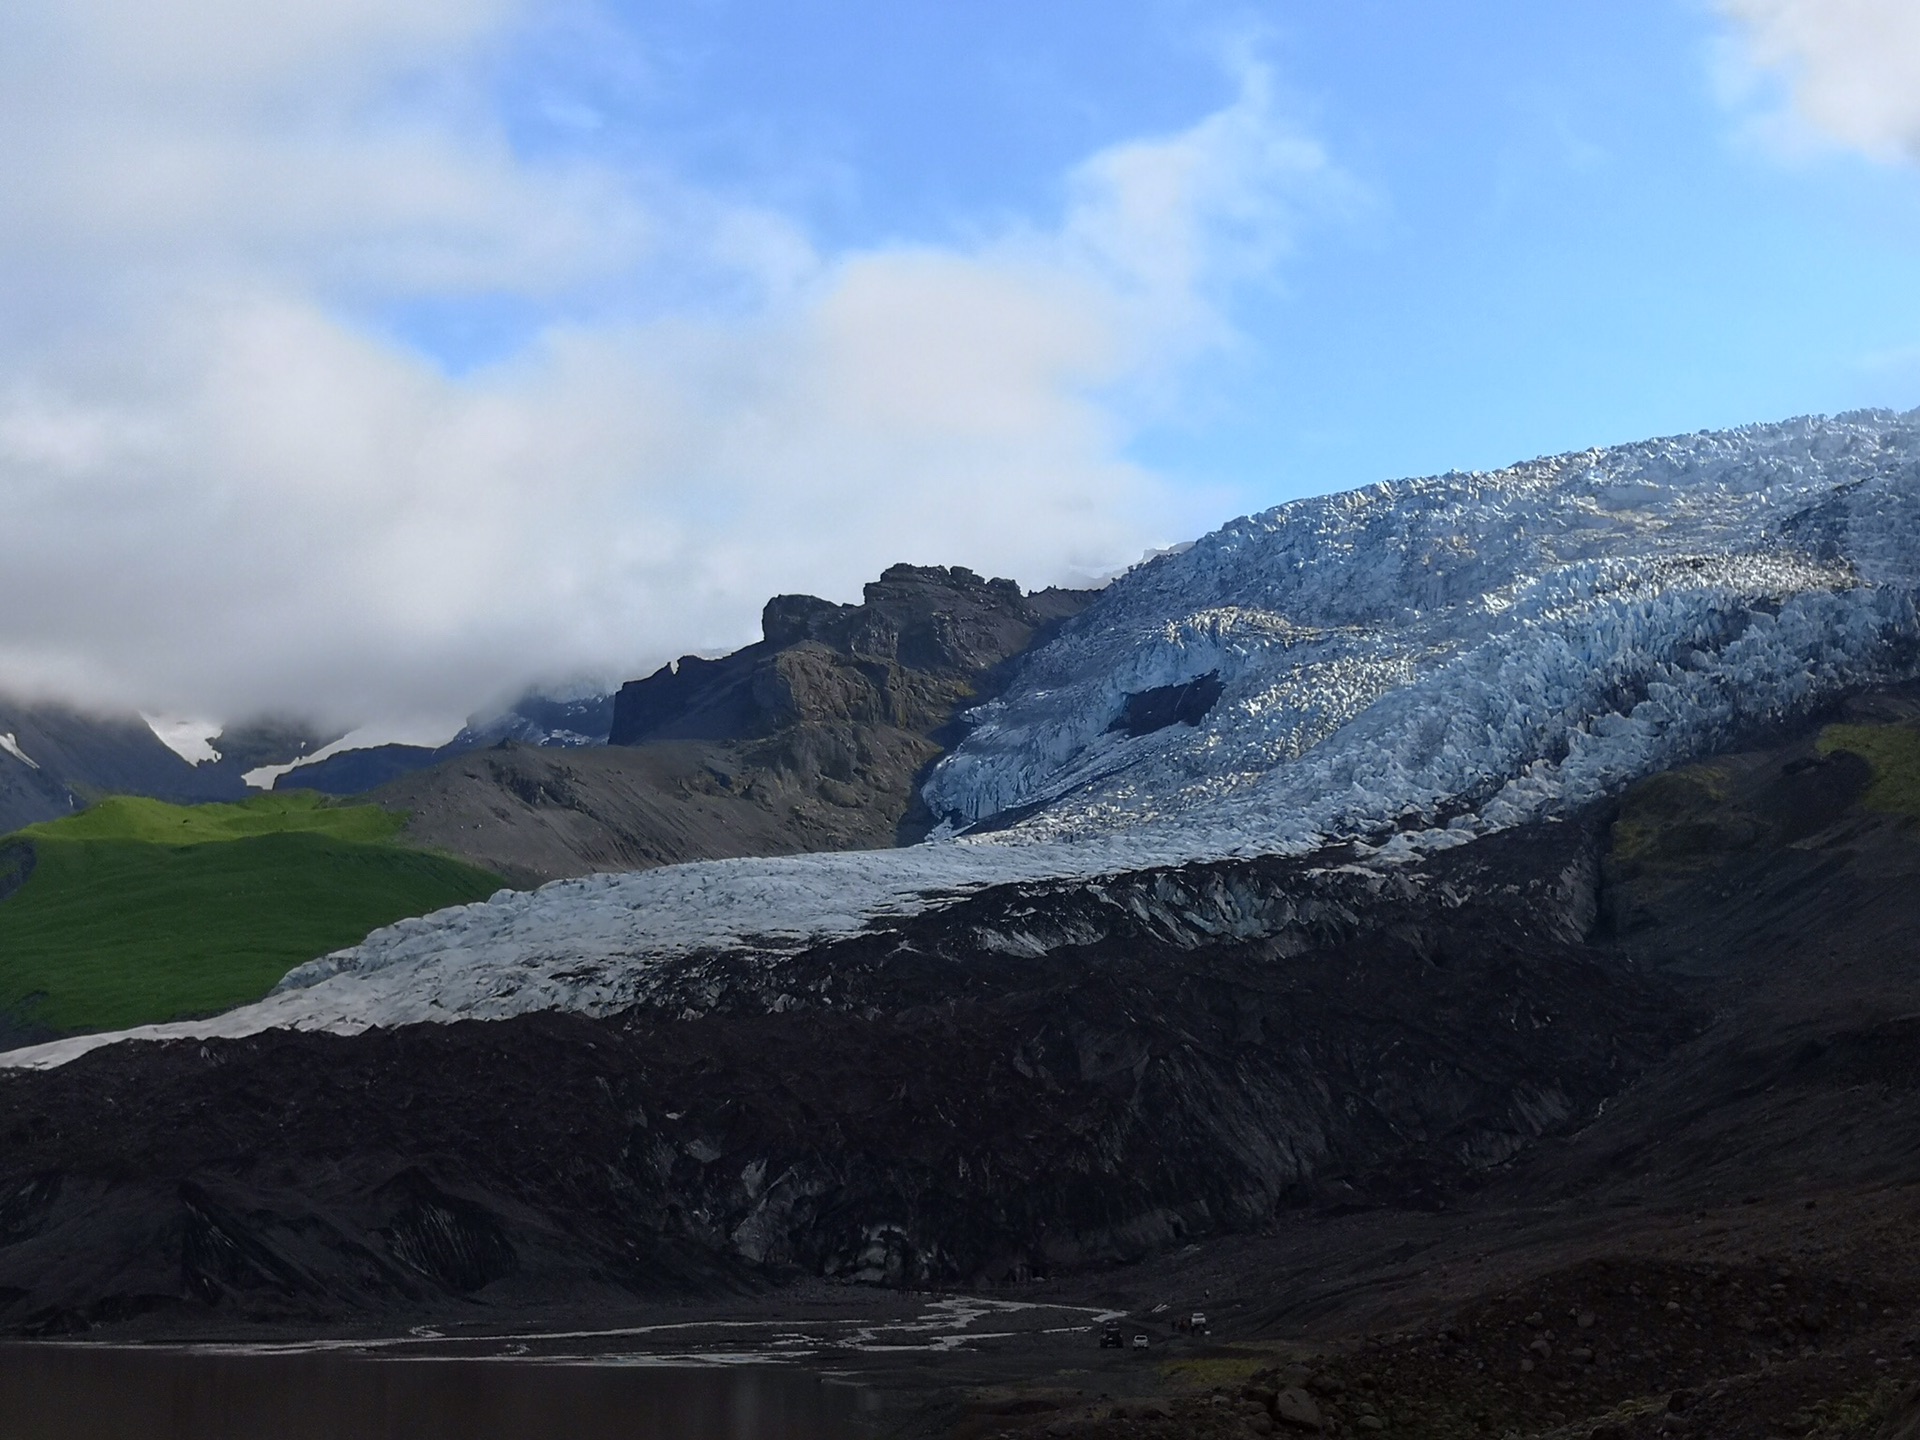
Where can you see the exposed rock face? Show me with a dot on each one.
(914, 650)
(814, 738)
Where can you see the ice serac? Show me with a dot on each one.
(1473, 648)
(1395, 669)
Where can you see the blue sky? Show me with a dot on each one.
(1561, 232)
(379, 356)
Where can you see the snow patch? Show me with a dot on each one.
(191, 740)
(12, 747)
(426, 733)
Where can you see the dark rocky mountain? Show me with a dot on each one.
(905, 658)
(59, 758)
(536, 718)
(351, 772)
(814, 738)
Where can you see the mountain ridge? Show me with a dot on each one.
(572, 719)
(813, 738)
(55, 758)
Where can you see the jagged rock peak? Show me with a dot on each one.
(920, 622)
(902, 593)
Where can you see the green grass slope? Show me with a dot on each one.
(1893, 754)
(140, 911)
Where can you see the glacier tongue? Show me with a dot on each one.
(1405, 665)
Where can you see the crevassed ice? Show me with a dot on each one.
(1408, 664)
(1536, 635)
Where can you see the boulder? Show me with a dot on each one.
(1297, 1409)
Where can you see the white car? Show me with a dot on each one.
(1139, 1342)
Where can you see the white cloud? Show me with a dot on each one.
(1852, 67)
(221, 491)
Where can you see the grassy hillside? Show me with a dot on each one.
(137, 910)
(1893, 753)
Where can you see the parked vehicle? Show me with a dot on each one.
(1110, 1337)
(1199, 1322)
(1139, 1342)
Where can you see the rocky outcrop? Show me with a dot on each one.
(813, 738)
(923, 641)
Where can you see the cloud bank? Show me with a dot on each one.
(1852, 67)
(225, 485)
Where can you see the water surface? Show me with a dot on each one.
(95, 1392)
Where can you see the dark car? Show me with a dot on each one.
(1110, 1338)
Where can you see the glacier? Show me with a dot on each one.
(1400, 667)
(1510, 643)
